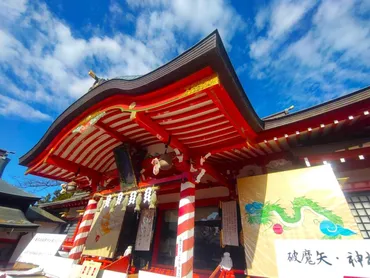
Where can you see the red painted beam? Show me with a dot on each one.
(229, 147)
(215, 131)
(225, 146)
(225, 104)
(216, 175)
(201, 101)
(313, 122)
(155, 129)
(111, 173)
(210, 137)
(259, 160)
(194, 114)
(277, 142)
(161, 181)
(319, 158)
(110, 131)
(215, 141)
(73, 167)
(49, 177)
(196, 131)
(193, 124)
(350, 165)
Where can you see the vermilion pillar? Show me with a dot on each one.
(185, 231)
(83, 230)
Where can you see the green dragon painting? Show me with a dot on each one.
(331, 225)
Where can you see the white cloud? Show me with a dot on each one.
(312, 52)
(285, 15)
(12, 107)
(162, 20)
(115, 8)
(261, 18)
(12, 10)
(43, 62)
(282, 18)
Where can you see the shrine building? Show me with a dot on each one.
(156, 160)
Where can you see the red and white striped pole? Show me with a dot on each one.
(185, 231)
(83, 230)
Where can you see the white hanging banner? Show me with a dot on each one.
(145, 230)
(229, 224)
(323, 258)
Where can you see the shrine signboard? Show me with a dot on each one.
(40, 246)
(323, 258)
(229, 224)
(145, 230)
(90, 269)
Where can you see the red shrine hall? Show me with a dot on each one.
(155, 159)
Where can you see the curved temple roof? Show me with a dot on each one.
(195, 102)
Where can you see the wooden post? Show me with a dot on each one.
(83, 230)
(185, 231)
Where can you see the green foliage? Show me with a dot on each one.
(45, 199)
(58, 197)
(55, 197)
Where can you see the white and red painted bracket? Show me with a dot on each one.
(202, 171)
(179, 155)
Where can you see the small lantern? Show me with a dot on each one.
(68, 187)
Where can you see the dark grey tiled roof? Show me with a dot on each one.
(128, 77)
(76, 197)
(38, 214)
(6, 188)
(14, 218)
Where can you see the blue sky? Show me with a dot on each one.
(285, 52)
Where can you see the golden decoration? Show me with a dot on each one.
(132, 105)
(202, 85)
